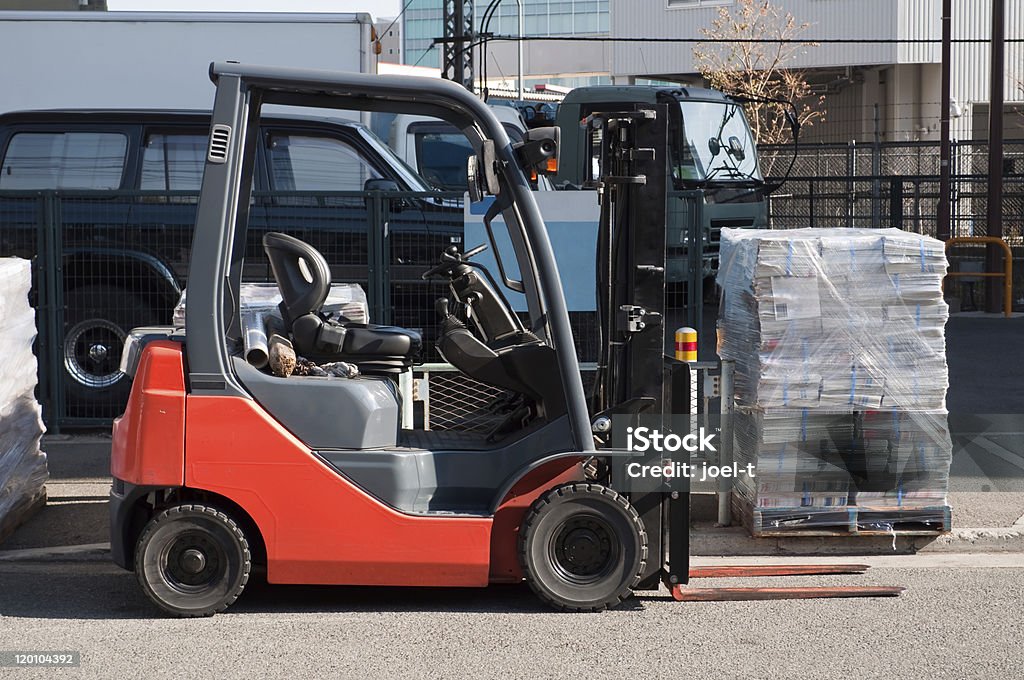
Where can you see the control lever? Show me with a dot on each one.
(441, 307)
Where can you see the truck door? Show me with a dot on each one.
(316, 194)
(88, 163)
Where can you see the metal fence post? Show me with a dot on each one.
(727, 410)
(851, 171)
(876, 171)
(810, 200)
(50, 259)
(378, 239)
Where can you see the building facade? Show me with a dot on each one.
(891, 89)
(567, 64)
(58, 5)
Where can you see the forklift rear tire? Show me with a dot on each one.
(582, 548)
(192, 560)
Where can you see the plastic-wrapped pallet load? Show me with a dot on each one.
(344, 299)
(22, 464)
(839, 347)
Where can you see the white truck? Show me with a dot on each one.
(158, 60)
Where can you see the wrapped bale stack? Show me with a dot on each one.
(22, 465)
(838, 341)
(346, 300)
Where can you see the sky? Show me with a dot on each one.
(378, 8)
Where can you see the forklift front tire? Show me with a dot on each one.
(192, 560)
(582, 547)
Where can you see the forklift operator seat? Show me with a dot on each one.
(304, 280)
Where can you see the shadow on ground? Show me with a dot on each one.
(102, 591)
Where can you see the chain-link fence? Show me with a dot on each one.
(897, 185)
(893, 185)
(106, 262)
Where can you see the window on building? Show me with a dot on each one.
(302, 163)
(173, 162)
(697, 3)
(64, 160)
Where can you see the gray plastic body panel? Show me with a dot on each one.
(356, 413)
(447, 480)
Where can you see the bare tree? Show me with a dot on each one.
(759, 68)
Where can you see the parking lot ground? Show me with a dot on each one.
(959, 618)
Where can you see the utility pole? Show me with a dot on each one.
(943, 227)
(993, 256)
(457, 60)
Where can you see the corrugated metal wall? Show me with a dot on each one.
(970, 62)
(829, 19)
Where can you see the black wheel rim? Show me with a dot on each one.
(583, 549)
(92, 353)
(193, 562)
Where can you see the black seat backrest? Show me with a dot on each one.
(301, 272)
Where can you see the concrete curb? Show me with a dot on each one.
(88, 552)
(710, 540)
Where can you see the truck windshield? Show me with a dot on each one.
(715, 144)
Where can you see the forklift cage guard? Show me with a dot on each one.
(218, 247)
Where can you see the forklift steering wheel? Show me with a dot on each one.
(451, 257)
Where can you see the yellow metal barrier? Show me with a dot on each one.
(1006, 274)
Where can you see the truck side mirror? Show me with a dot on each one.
(538, 152)
(474, 183)
(736, 149)
(384, 184)
(381, 184)
(481, 175)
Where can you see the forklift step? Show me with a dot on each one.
(683, 594)
(738, 570)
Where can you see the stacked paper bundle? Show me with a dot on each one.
(346, 300)
(846, 325)
(905, 460)
(22, 465)
(796, 456)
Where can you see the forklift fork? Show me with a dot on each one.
(683, 594)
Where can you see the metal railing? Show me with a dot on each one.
(1006, 275)
(107, 261)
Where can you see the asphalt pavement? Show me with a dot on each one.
(960, 617)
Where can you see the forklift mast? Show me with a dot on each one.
(631, 257)
(634, 375)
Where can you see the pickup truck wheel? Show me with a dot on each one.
(97, 320)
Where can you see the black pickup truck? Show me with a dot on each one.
(107, 200)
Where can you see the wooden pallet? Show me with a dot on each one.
(10, 522)
(847, 521)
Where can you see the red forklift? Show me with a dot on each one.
(219, 466)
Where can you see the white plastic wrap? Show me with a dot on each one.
(23, 471)
(838, 341)
(347, 300)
